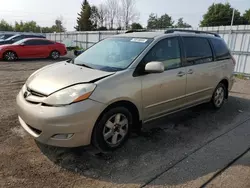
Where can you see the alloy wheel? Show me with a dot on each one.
(219, 96)
(55, 55)
(10, 56)
(115, 129)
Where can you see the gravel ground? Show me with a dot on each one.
(163, 144)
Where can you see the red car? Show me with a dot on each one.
(32, 48)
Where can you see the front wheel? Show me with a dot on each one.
(219, 96)
(10, 56)
(113, 129)
(54, 55)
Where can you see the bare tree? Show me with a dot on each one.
(102, 14)
(119, 18)
(129, 12)
(112, 7)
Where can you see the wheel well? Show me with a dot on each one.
(225, 83)
(54, 51)
(130, 106)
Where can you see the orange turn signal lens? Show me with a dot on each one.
(83, 97)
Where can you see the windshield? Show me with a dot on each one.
(12, 37)
(19, 42)
(5, 36)
(113, 54)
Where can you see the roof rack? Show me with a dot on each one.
(137, 30)
(191, 31)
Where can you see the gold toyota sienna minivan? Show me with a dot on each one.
(121, 82)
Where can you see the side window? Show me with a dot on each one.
(198, 50)
(28, 42)
(33, 42)
(166, 51)
(220, 49)
(46, 42)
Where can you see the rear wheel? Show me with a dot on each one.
(113, 129)
(219, 96)
(10, 56)
(54, 55)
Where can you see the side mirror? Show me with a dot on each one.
(154, 67)
(22, 44)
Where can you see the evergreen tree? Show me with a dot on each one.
(84, 18)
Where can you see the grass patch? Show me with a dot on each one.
(240, 76)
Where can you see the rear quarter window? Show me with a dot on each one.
(220, 49)
(46, 42)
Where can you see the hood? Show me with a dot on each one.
(61, 75)
(4, 45)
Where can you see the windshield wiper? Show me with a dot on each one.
(70, 61)
(84, 65)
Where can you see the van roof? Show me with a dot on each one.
(141, 34)
(182, 32)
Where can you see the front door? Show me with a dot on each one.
(164, 92)
(32, 48)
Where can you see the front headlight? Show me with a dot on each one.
(70, 95)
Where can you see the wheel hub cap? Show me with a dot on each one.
(115, 129)
(55, 55)
(219, 97)
(10, 56)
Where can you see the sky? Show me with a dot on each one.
(44, 12)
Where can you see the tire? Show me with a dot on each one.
(219, 96)
(117, 130)
(10, 56)
(55, 55)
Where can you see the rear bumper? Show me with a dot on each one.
(63, 52)
(45, 123)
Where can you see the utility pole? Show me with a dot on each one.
(230, 34)
(232, 21)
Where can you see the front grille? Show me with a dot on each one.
(37, 131)
(33, 97)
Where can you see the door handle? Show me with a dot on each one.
(190, 71)
(180, 74)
